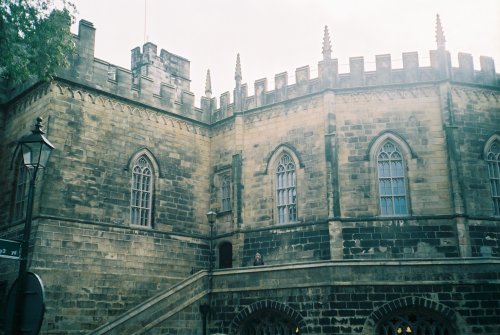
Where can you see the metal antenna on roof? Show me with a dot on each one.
(145, 20)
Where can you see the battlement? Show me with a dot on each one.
(166, 68)
(357, 78)
(163, 81)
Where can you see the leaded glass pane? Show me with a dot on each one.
(21, 199)
(493, 159)
(391, 180)
(226, 194)
(286, 192)
(141, 193)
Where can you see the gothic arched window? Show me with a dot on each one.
(391, 180)
(141, 193)
(493, 159)
(286, 190)
(21, 195)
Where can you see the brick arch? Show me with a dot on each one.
(248, 311)
(418, 303)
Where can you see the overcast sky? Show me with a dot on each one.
(273, 36)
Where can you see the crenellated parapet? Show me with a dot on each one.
(358, 78)
(162, 80)
(158, 80)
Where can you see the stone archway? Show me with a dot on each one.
(414, 315)
(267, 317)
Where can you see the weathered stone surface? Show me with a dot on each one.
(339, 266)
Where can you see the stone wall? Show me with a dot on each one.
(485, 240)
(297, 129)
(287, 245)
(95, 272)
(97, 138)
(400, 239)
(94, 264)
(412, 117)
(350, 298)
(475, 119)
(345, 309)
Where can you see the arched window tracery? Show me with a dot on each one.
(141, 193)
(493, 160)
(393, 197)
(286, 190)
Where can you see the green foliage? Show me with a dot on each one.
(35, 38)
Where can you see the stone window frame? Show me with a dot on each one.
(225, 193)
(406, 155)
(272, 162)
(223, 174)
(492, 159)
(286, 189)
(148, 156)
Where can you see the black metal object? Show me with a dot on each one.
(29, 289)
(36, 149)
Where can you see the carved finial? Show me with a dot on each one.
(38, 126)
(440, 40)
(237, 75)
(208, 85)
(327, 45)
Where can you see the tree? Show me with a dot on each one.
(35, 38)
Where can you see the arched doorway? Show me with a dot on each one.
(225, 255)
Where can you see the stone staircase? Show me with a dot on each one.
(145, 316)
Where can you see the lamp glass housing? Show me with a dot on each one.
(211, 216)
(35, 148)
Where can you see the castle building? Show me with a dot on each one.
(371, 197)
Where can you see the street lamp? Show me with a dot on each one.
(36, 150)
(211, 216)
(205, 308)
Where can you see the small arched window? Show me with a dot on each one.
(391, 180)
(226, 194)
(141, 193)
(286, 190)
(493, 159)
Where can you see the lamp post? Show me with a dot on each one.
(36, 149)
(205, 308)
(211, 216)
